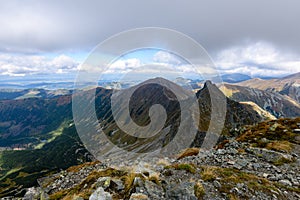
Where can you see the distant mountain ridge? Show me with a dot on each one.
(10, 94)
(234, 77)
(289, 85)
(276, 104)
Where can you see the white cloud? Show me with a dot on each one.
(166, 57)
(258, 59)
(20, 65)
(123, 66)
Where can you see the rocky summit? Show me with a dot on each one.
(260, 162)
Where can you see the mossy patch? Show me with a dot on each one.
(183, 166)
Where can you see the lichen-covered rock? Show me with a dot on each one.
(100, 194)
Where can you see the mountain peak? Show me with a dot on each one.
(209, 88)
(208, 83)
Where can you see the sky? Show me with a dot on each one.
(54, 37)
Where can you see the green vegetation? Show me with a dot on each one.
(21, 169)
(183, 166)
(30, 121)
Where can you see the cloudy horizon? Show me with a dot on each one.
(250, 37)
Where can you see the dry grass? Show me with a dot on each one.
(128, 180)
(209, 173)
(199, 190)
(77, 168)
(284, 146)
(163, 162)
(188, 152)
(154, 178)
(277, 135)
(233, 197)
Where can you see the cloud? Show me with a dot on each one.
(20, 65)
(258, 59)
(66, 26)
(166, 57)
(123, 66)
(32, 27)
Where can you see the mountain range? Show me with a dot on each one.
(38, 136)
(279, 97)
(35, 129)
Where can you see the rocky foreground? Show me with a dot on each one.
(259, 162)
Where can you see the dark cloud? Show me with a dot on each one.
(34, 26)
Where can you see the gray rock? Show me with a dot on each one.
(235, 190)
(265, 175)
(184, 191)
(220, 152)
(155, 191)
(256, 166)
(297, 130)
(100, 194)
(240, 163)
(217, 184)
(285, 182)
(117, 184)
(231, 162)
(138, 182)
(272, 178)
(32, 193)
(232, 151)
(103, 182)
(269, 155)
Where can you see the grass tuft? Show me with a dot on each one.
(199, 190)
(188, 152)
(154, 178)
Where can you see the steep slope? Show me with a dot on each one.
(265, 114)
(236, 114)
(289, 85)
(273, 102)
